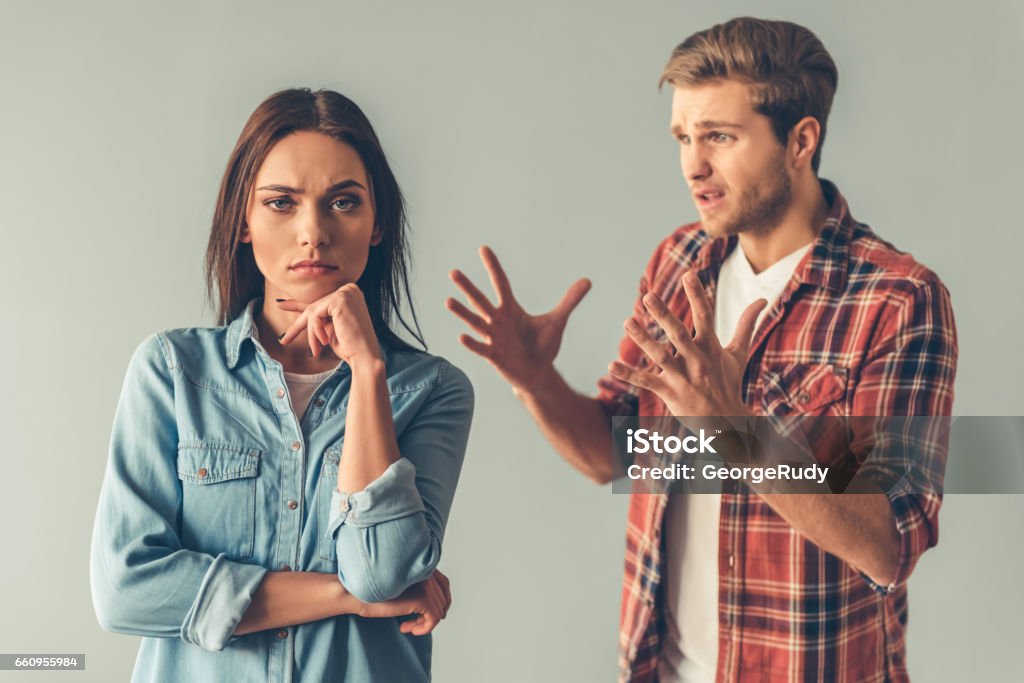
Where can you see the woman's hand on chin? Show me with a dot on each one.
(340, 321)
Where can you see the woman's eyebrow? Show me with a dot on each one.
(292, 190)
(344, 184)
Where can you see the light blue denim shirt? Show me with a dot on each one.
(212, 481)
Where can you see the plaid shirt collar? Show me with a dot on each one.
(829, 257)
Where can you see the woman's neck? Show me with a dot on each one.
(271, 322)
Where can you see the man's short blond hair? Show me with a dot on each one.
(790, 73)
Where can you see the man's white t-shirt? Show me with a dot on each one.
(689, 652)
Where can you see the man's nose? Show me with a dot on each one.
(695, 163)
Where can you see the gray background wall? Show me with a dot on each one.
(535, 127)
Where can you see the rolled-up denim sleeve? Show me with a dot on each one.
(143, 582)
(906, 395)
(388, 536)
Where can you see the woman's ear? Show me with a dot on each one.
(244, 237)
(376, 236)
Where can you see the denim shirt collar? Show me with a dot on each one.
(243, 329)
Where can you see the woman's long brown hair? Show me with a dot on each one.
(232, 278)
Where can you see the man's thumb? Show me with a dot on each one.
(572, 297)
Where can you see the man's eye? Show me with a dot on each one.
(684, 139)
(720, 137)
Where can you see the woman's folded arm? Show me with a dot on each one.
(389, 534)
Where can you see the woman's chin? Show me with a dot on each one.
(307, 291)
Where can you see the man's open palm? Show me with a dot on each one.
(521, 346)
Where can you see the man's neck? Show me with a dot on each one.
(799, 226)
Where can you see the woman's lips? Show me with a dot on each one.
(312, 270)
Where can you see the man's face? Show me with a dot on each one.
(731, 160)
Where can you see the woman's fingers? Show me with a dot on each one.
(408, 625)
(313, 340)
(436, 600)
(320, 327)
(425, 614)
(294, 330)
(446, 591)
(435, 596)
(428, 601)
(291, 305)
(314, 321)
(423, 625)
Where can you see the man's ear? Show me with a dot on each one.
(804, 140)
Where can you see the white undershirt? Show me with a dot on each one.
(302, 388)
(690, 647)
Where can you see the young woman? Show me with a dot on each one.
(278, 487)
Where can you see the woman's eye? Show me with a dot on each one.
(279, 204)
(345, 203)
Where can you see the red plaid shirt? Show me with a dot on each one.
(861, 329)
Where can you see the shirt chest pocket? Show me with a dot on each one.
(804, 389)
(325, 488)
(218, 489)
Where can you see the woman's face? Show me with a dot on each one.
(310, 217)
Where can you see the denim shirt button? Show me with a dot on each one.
(286, 568)
(202, 472)
(280, 392)
(282, 634)
(296, 445)
(292, 505)
(319, 403)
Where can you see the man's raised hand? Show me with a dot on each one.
(522, 347)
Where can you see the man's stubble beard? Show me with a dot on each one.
(762, 206)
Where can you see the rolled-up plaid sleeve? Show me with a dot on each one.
(903, 404)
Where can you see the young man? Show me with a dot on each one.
(824, 318)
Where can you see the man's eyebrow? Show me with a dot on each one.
(344, 184)
(677, 130)
(716, 124)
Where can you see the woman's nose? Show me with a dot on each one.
(312, 230)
